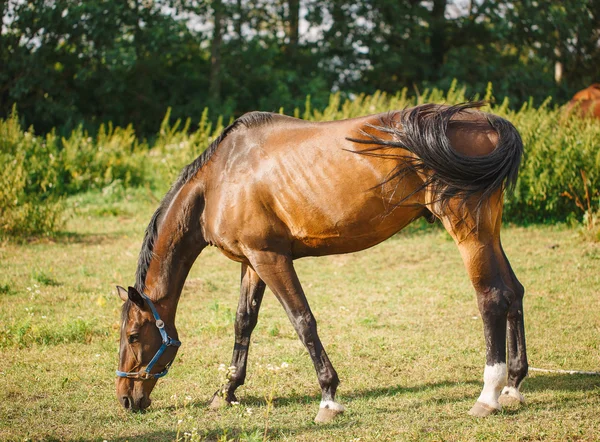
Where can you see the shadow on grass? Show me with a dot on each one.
(536, 383)
(539, 382)
(256, 401)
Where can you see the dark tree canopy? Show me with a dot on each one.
(71, 62)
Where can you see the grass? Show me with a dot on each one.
(399, 322)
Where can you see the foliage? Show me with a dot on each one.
(72, 62)
(28, 165)
(36, 172)
(561, 166)
(558, 181)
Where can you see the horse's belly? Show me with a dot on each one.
(356, 234)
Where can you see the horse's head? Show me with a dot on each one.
(146, 350)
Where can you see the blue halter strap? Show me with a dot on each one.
(166, 342)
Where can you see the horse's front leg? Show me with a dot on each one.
(278, 272)
(252, 290)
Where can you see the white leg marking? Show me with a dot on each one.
(332, 405)
(494, 378)
(513, 392)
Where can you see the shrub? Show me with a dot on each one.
(28, 205)
(558, 181)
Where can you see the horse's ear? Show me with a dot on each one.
(135, 297)
(122, 293)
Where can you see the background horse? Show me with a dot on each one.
(586, 102)
(272, 189)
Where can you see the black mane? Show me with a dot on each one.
(248, 120)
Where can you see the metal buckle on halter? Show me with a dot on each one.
(160, 323)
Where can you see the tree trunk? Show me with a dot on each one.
(558, 66)
(293, 24)
(215, 53)
(438, 34)
(240, 19)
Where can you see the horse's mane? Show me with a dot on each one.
(450, 174)
(251, 119)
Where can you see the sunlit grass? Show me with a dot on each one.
(399, 321)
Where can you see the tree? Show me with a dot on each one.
(215, 52)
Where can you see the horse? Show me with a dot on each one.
(586, 102)
(591, 92)
(271, 189)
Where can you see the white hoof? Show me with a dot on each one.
(482, 410)
(328, 411)
(510, 396)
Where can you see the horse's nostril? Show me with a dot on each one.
(125, 401)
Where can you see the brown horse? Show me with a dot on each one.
(586, 102)
(272, 189)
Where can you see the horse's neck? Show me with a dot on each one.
(178, 243)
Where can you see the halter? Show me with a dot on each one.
(166, 342)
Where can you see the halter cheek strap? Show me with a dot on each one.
(167, 341)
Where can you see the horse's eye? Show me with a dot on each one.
(133, 338)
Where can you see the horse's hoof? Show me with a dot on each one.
(217, 402)
(511, 397)
(328, 411)
(482, 410)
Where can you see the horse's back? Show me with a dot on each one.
(284, 182)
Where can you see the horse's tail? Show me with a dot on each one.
(450, 174)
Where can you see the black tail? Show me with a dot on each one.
(422, 131)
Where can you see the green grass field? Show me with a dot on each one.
(399, 321)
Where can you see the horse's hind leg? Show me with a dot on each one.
(279, 274)
(252, 290)
(479, 245)
(517, 353)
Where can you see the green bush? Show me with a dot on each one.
(561, 166)
(38, 172)
(558, 181)
(28, 165)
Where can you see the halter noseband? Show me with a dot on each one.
(166, 342)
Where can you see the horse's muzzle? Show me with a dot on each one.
(137, 404)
